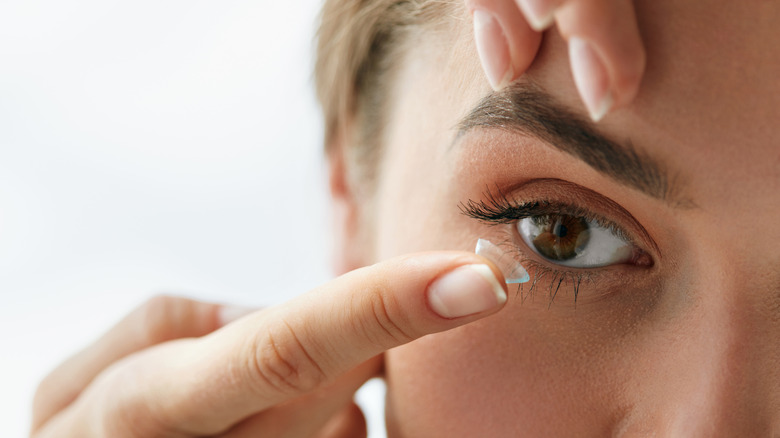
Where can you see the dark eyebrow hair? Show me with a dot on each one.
(525, 108)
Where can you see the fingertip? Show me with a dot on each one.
(493, 49)
(467, 290)
(606, 52)
(505, 42)
(628, 78)
(591, 77)
(540, 14)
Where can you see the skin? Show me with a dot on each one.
(178, 368)
(607, 76)
(684, 348)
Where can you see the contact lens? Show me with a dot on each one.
(513, 271)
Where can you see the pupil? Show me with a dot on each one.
(560, 237)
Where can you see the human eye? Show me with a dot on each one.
(560, 233)
(574, 241)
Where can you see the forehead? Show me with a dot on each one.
(708, 106)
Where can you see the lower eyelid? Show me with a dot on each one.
(568, 288)
(551, 281)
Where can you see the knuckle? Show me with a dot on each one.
(123, 420)
(166, 317)
(387, 325)
(157, 324)
(125, 406)
(129, 419)
(43, 392)
(53, 393)
(279, 361)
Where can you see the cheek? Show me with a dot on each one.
(526, 371)
(468, 383)
(445, 385)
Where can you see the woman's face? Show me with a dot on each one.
(680, 338)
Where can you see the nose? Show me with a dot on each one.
(713, 370)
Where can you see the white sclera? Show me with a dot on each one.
(513, 271)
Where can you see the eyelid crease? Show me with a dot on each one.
(497, 207)
(503, 211)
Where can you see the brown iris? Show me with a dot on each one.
(560, 236)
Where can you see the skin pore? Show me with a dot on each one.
(685, 346)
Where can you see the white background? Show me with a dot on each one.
(151, 147)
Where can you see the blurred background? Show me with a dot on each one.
(152, 147)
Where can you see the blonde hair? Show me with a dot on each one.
(360, 45)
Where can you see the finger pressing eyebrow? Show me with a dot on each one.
(524, 107)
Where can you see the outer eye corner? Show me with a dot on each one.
(642, 259)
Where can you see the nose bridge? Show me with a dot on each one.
(710, 372)
(728, 379)
(714, 366)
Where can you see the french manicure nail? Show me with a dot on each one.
(538, 13)
(513, 271)
(590, 77)
(493, 49)
(465, 291)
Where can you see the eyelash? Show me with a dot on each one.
(558, 277)
(497, 208)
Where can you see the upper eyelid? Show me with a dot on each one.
(491, 208)
(529, 202)
(542, 269)
(511, 216)
(504, 211)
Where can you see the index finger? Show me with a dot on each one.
(277, 354)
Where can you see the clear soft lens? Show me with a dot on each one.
(513, 271)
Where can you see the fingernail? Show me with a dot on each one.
(465, 291)
(538, 13)
(493, 49)
(227, 314)
(513, 271)
(591, 78)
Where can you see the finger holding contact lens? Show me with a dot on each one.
(513, 271)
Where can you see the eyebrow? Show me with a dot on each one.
(525, 108)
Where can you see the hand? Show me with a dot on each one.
(171, 369)
(605, 49)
